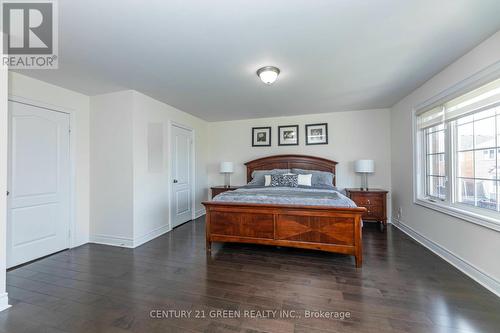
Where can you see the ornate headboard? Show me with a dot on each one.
(289, 162)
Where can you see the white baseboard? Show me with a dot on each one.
(199, 213)
(4, 302)
(112, 240)
(151, 235)
(465, 267)
(128, 242)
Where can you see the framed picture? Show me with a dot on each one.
(288, 135)
(261, 136)
(317, 134)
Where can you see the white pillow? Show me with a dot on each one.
(305, 180)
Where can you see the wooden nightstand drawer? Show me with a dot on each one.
(375, 212)
(220, 189)
(362, 199)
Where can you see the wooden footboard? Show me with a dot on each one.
(332, 229)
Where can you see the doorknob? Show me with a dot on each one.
(175, 181)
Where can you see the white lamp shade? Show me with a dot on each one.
(364, 166)
(226, 167)
(268, 77)
(268, 74)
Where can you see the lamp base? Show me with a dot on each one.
(364, 182)
(227, 180)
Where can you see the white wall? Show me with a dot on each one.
(352, 135)
(3, 182)
(130, 204)
(51, 95)
(475, 246)
(111, 173)
(151, 189)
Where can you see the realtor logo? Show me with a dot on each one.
(30, 39)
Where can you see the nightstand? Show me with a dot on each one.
(219, 189)
(374, 200)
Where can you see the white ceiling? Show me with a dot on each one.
(201, 56)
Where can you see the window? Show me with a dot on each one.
(458, 153)
(477, 147)
(435, 162)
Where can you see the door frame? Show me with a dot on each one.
(192, 173)
(72, 158)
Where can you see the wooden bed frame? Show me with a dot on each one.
(325, 228)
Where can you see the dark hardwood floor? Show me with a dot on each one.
(402, 287)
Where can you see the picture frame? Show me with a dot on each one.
(261, 136)
(288, 135)
(317, 134)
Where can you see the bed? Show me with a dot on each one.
(315, 222)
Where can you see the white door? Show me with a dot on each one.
(182, 145)
(39, 214)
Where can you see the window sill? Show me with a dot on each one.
(482, 220)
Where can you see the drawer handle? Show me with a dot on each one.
(368, 201)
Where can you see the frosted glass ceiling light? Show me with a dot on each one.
(268, 74)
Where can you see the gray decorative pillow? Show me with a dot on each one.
(258, 175)
(287, 180)
(319, 178)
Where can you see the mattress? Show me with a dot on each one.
(307, 196)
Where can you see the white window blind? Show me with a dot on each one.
(431, 118)
(485, 97)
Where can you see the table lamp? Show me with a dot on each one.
(364, 167)
(227, 169)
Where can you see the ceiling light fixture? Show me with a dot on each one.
(268, 74)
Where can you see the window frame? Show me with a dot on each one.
(425, 159)
(449, 206)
